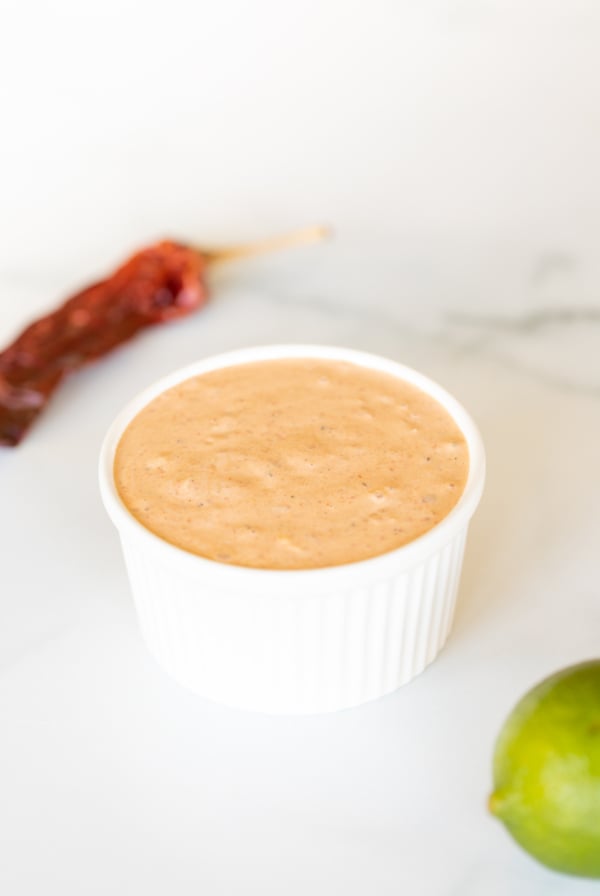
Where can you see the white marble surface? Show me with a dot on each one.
(454, 147)
(115, 780)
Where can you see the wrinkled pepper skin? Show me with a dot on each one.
(159, 283)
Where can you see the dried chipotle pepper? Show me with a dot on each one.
(159, 283)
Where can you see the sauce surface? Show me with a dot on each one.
(291, 464)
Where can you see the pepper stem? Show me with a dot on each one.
(286, 241)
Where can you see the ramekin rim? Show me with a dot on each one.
(378, 567)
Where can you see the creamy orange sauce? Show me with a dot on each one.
(291, 464)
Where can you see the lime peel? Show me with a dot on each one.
(547, 771)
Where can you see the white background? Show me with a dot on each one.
(453, 146)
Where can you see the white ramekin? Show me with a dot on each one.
(288, 641)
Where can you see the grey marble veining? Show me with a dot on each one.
(559, 346)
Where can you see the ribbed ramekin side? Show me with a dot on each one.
(318, 652)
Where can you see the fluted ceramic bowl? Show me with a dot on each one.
(296, 641)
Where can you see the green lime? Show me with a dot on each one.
(547, 771)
